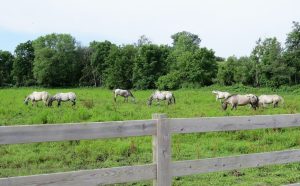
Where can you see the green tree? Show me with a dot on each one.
(227, 71)
(270, 68)
(84, 58)
(6, 64)
(185, 41)
(23, 64)
(120, 69)
(97, 66)
(150, 64)
(194, 65)
(292, 52)
(55, 61)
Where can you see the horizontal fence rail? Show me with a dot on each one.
(80, 131)
(86, 177)
(209, 124)
(189, 167)
(161, 128)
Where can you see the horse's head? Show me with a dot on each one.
(254, 101)
(50, 101)
(26, 101)
(149, 102)
(224, 105)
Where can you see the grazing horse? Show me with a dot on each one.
(264, 100)
(62, 97)
(37, 96)
(221, 95)
(240, 100)
(255, 100)
(123, 93)
(162, 95)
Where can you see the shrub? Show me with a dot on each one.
(169, 81)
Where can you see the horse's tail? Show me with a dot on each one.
(282, 100)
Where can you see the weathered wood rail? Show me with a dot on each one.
(161, 128)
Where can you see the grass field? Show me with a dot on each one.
(96, 104)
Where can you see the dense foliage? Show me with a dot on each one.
(269, 64)
(57, 60)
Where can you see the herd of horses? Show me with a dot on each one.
(44, 96)
(225, 97)
(247, 99)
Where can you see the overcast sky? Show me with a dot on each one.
(229, 27)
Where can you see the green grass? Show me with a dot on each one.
(96, 104)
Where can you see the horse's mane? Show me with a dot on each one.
(230, 96)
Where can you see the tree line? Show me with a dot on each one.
(58, 60)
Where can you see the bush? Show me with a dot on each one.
(169, 81)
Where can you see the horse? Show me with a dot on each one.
(162, 95)
(221, 95)
(240, 100)
(123, 93)
(264, 100)
(255, 98)
(37, 96)
(62, 97)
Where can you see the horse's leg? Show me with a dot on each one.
(234, 106)
(73, 103)
(58, 103)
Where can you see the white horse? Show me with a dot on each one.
(240, 100)
(264, 100)
(62, 97)
(37, 96)
(221, 95)
(162, 95)
(123, 93)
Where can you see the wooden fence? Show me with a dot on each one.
(161, 128)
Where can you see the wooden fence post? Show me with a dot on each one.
(161, 149)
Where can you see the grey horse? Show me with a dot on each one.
(123, 93)
(240, 100)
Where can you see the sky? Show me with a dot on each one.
(229, 27)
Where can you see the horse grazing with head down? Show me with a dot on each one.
(162, 95)
(240, 100)
(264, 100)
(221, 95)
(123, 93)
(62, 97)
(37, 96)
